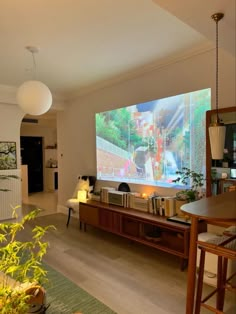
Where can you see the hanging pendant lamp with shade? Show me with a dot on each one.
(33, 96)
(217, 128)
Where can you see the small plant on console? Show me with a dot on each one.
(192, 178)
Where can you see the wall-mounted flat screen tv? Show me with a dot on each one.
(147, 143)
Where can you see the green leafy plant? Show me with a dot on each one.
(21, 262)
(192, 178)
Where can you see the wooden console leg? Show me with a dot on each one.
(183, 263)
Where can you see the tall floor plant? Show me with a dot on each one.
(21, 266)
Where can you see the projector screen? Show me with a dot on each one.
(148, 142)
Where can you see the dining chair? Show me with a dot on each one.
(83, 190)
(224, 247)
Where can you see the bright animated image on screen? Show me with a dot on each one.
(148, 142)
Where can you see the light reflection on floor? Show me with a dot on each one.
(46, 201)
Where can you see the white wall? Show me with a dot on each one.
(76, 125)
(10, 121)
(46, 128)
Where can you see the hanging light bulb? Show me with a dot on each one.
(217, 128)
(33, 96)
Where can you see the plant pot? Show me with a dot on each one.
(37, 309)
(178, 204)
(37, 299)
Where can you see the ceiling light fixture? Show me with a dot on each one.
(217, 128)
(33, 96)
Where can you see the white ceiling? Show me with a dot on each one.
(85, 43)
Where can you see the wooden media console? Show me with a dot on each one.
(142, 227)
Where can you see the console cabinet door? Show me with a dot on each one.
(131, 227)
(105, 219)
(109, 220)
(89, 214)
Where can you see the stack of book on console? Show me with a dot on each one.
(156, 205)
(130, 199)
(162, 205)
(136, 201)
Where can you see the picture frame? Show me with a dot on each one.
(8, 155)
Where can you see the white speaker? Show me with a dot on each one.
(116, 198)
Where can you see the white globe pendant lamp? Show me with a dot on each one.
(217, 128)
(33, 96)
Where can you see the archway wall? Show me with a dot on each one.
(10, 122)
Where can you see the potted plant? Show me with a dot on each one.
(21, 270)
(193, 179)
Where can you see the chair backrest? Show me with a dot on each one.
(230, 231)
(224, 246)
(85, 183)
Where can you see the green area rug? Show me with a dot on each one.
(66, 297)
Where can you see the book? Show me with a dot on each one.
(140, 203)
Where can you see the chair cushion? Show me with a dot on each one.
(219, 239)
(73, 203)
(85, 183)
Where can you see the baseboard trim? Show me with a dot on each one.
(64, 210)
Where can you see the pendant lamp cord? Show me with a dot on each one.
(217, 72)
(33, 50)
(34, 66)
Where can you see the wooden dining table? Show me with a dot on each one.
(218, 210)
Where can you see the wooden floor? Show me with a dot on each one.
(128, 277)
